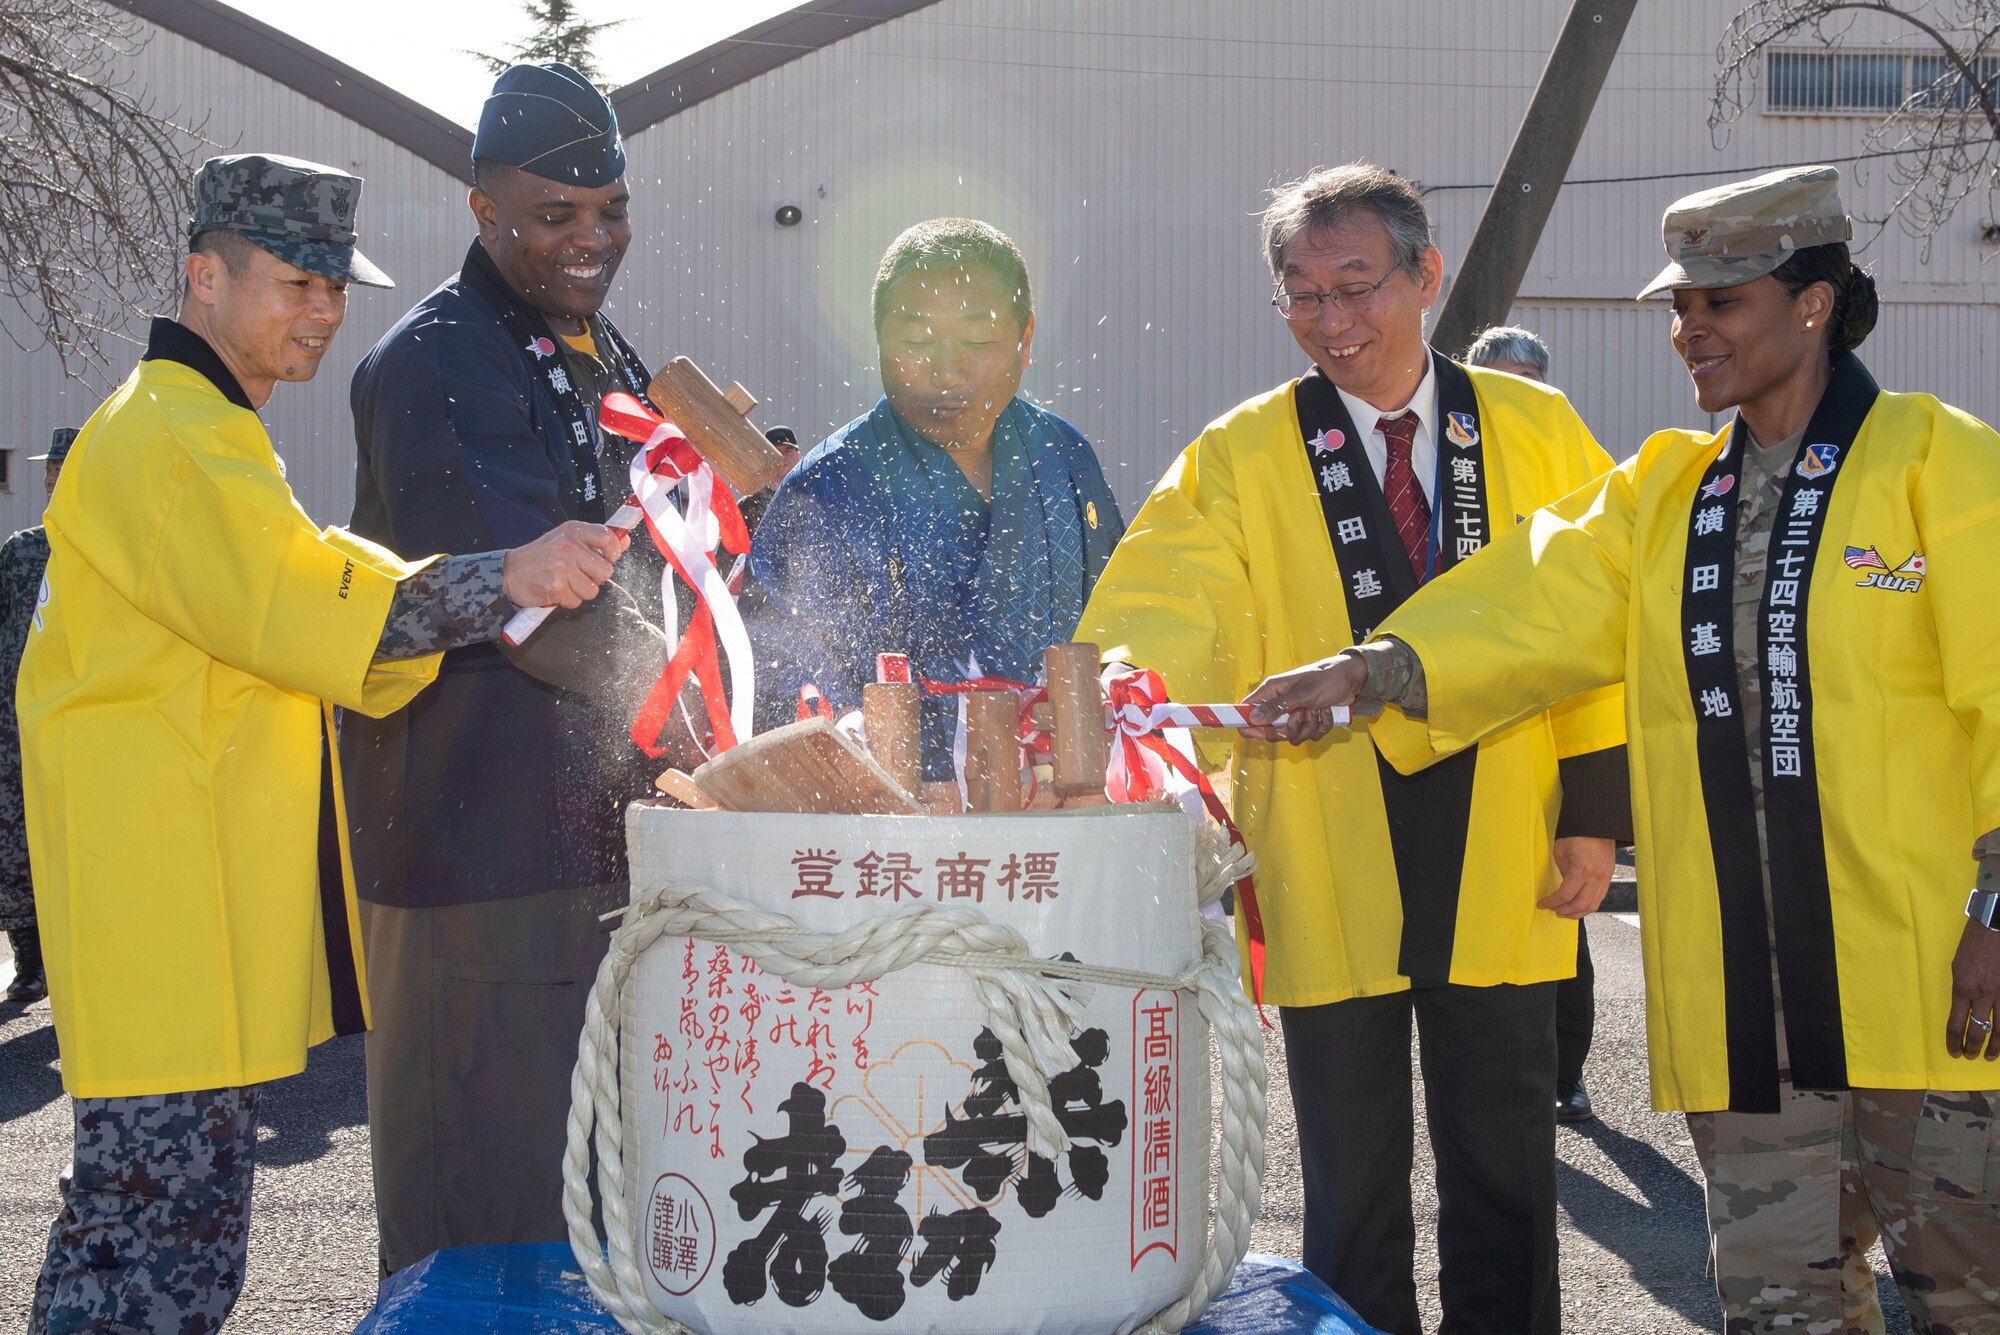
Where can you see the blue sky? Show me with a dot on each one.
(414, 45)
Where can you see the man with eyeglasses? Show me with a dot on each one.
(1294, 522)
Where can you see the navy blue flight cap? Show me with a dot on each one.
(550, 121)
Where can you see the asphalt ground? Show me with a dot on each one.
(1632, 1227)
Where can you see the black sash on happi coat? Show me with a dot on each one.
(343, 984)
(535, 343)
(1801, 903)
(1430, 811)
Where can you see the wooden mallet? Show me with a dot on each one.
(890, 719)
(1082, 742)
(993, 751)
(716, 423)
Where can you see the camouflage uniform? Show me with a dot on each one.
(1796, 1197)
(156, 1215)
(23, 558)
(447, 604)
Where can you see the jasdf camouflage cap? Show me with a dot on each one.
(301, 212)
(59, 442)
(1738, 232)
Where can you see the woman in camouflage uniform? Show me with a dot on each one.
(1802, 610)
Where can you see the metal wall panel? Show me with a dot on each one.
(1127, 148)
(1614, 361)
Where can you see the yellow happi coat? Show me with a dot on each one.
(1228, 574)
(1905, 690)
(192, 623)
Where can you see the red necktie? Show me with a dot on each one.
(1407, 507)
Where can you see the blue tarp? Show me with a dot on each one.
(535, 1289)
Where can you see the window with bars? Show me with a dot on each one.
(1871, 81)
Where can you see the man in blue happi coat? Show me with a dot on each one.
(956, 522)
(486, 820)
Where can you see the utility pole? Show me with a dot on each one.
(1511, 224)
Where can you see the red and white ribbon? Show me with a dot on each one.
(1151, 756)
(813, 703)
(1169, 715)
(688, 540)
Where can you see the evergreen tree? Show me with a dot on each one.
(557, 33)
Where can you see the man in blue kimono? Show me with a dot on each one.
(956, 522)
(487, 819)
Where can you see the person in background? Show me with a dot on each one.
(1801, 609)
(1446, 902)
(23, 559)
(1510, 348)
(787, 442)
(956, 521)
(176, 702)
(1521, 352)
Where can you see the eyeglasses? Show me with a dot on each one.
(1306, 305)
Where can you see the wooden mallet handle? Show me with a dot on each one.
(1082, 746)
(889, 718)
(680, 786)
(993, 751)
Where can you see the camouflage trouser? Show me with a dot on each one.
(1796, 1198)
(156, 1215)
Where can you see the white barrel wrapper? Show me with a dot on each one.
(766, 1125)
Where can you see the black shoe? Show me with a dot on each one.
(1573, 1105)
(30, 983)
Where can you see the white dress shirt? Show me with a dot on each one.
(1423, 450)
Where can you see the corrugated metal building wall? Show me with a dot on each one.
(1127, 149)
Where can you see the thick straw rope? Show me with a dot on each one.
(1031, 1005)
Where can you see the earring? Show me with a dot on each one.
(1809, 324)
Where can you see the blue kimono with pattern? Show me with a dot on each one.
(877, 543)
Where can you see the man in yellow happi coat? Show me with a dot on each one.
(1296, 521)
(193, 633)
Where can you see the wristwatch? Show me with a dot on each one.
(1984, 909)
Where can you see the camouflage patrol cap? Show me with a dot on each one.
(59, 442)
(301, 212)
(1738, 232)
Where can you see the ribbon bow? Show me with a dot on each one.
(688, 541)
(1143, 764)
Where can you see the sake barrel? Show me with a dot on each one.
(855, 1158)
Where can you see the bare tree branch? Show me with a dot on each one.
(93, 184)
(1942, 141)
